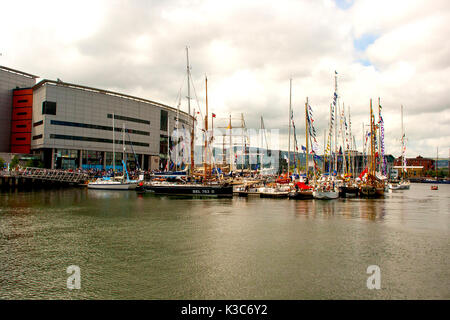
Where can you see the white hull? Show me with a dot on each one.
(400, 186)
(325, 195)
(112, 186)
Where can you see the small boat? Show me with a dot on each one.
(274, 192)
(434, 188)
(111, 184)
(402, 185)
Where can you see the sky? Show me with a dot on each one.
(396, 50)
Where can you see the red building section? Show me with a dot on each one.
(22, 117)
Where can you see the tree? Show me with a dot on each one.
(2, 163)
(14, 162)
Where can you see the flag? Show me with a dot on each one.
(303, 148)
(213, 115)
(335, 72)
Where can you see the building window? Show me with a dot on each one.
(21, 113)
(95, 126)
(21, 126)
(39, 136)
(119, 117)
(20, 139)
(91, 139)
(38, 123)
(21, 101)
(49, 107)
(163, 124)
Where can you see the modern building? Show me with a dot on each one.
(72, 126)
(15, 113)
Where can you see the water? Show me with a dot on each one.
(131, 246)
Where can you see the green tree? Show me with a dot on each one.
(14, 162)
(2, 162)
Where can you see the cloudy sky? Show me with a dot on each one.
(397, 50)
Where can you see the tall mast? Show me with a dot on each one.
(123, 152)
(231, 153)
(114, 142)
(437, 156)
(243, 142)
(330, 140)
(289, 139)
(168, 143)
(403, 142)
(335, 126)
(372, 146)
(307, 136)
(206, 131)
(188, 79)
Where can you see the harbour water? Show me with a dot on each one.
(132, 246)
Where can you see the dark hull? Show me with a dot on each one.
(348, 192)
(193, 190)
(371, 192)
(301, 195)
(273, 195)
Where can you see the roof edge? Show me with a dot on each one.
(107, 92)
(29, 75)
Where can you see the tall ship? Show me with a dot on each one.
(195, 184)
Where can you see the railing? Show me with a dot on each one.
(48, 174)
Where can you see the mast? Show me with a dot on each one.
(289, 139)
(123, 152)
(114, 142)
(243, 142)
(330, 139)
(335, 127)
(231, 153)
(437, 156)
(372, 145)
(168, 143)
(307, 136)
(403, 142)
(188, 83)
(206, 131)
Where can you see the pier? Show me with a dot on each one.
(39, 177)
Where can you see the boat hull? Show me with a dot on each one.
(112, 186)
(301, 195)
(345, 192)
(192, 190)
(325, 195)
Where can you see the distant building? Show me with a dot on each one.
(417, 167)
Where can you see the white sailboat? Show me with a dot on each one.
(402, 184)
(116, 183)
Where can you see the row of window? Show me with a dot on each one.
(118, 117)
(36, 137)
(94, 126)
(91, 139)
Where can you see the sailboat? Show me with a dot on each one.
(117, 183)
(403, 184)
(372, 186)
(207, 188)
